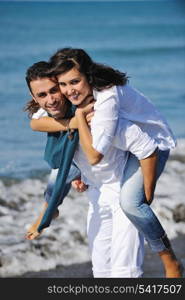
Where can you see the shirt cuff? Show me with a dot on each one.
(148, 149)
(84, 179)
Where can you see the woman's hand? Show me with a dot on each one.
(149, 169)
(149, 194)
(86, 109)
(87, 112)
(89, 117)
(89, 99)
(87, 106)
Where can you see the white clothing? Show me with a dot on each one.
(116, 247)
(115, 104)
(110, 169)
(130, 137)
(39, 114)
(125, 119)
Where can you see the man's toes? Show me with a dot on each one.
(34, 235)
(27, 235)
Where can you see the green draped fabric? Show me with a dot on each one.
(59, 153)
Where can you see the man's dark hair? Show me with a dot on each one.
(38, 70)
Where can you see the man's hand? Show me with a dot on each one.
(79, 185)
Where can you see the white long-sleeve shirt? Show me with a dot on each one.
(115, 105)
(114, 135)
(110, 169)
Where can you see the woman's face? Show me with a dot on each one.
(74, 86)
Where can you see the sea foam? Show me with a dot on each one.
(65, 241)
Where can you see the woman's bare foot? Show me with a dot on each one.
(32, 232)
(173, 268)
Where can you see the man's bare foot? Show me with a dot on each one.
(32, 232)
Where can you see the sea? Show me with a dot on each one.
(145, 39)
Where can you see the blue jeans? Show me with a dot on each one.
(134, 205)
(74, 173)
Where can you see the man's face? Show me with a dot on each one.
(46, 93)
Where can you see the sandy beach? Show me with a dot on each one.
(152, 265)
(62, 249)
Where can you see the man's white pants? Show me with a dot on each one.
(116, 246)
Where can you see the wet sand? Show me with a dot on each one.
(152, 265)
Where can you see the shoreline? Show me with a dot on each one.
(152, 265)
(62, 251)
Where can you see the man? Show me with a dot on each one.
(47, 96)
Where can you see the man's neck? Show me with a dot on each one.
(63, 112)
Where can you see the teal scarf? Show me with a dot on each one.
(59, 153)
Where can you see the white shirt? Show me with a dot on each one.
(110, 169)
(39, 114)
(107, 171)
(129, 137)
(118, 103)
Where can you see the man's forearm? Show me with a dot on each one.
(49, 124)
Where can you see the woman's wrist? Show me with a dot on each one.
(80, 112)
(73, 124)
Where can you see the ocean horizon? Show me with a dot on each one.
(145, 39)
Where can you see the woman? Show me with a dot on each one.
(79, 76)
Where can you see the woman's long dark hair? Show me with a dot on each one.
(99, 76)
